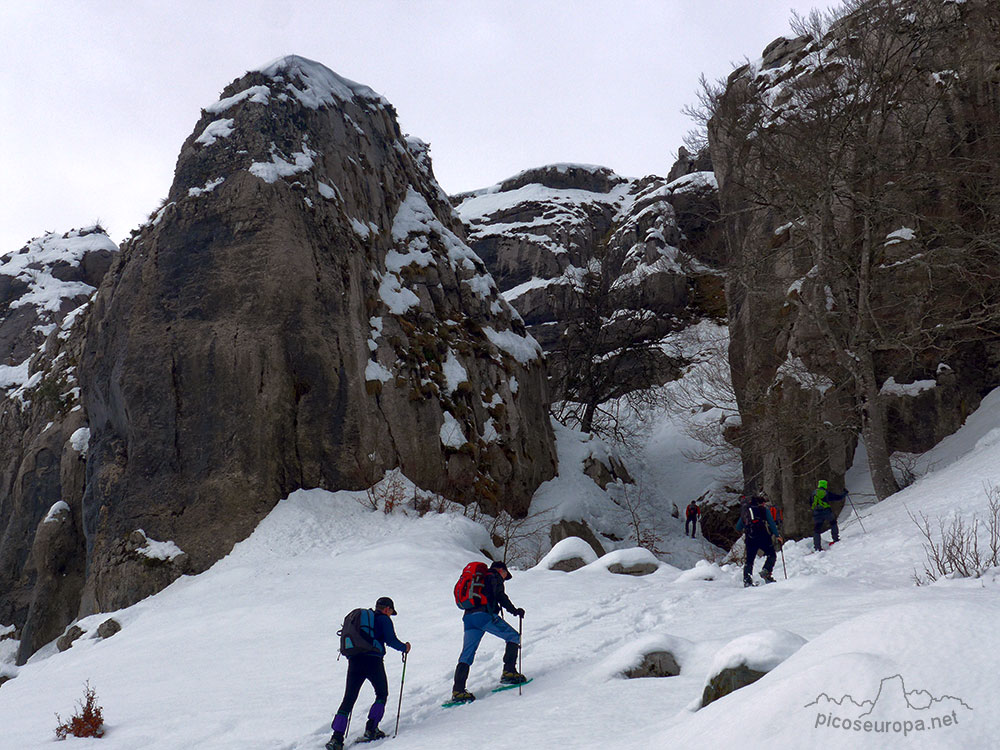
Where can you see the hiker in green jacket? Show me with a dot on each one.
(822, 512)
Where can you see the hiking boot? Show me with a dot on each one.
(335, 743)
(374, 734)
(512, 678)
(747, 583)
(766, 575)
(462, 696)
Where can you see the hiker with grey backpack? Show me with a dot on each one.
(363, 640)
(756, 522)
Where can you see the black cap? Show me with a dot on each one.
(501, 565)
(383, 602)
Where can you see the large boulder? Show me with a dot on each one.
(744, 660)
(302, 312)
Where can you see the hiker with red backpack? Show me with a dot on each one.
(363, 639)
(756, 522)
(480, 592)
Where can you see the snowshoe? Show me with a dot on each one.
(512, 678)
(335, 743)
(459, 698)
(371, 735)
(501, 688)
(767, 577)
(747, 583)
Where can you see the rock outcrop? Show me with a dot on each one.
(302, 312)
(855, 301)
(603, 269)
(45, 288)
(541, 230)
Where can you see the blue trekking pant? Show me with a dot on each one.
(478, 624)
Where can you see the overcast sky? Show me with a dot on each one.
(98, 95)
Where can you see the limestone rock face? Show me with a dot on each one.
(655, 245)
(800, 406)
(302, 312)
(45, 288)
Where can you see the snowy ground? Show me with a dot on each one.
(244, 655)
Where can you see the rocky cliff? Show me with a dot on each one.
(302, 311)
(857, 172)
(45, 289)
(566, 240)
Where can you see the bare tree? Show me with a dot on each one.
(858, 160)
(609, 349)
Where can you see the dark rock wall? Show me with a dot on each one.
(302, 312)
(44, 292)
(800, 419)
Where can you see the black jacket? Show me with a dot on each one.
(495, 595)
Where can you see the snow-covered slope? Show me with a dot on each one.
(244, 655)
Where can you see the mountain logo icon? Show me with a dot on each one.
(894, 709)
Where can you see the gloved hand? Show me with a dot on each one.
(519, 612)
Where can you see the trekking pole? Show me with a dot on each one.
(855, 512)
(520, 649)
(398, 707)
(781, 549)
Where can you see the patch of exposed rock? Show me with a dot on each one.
(655, 664)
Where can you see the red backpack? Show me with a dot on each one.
(469, 589)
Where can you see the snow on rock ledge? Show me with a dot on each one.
(154, 550)
(568, 555)
(637, 561)
(746, 659)
(633, 660)
(762, 650)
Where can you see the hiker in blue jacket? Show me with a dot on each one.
(822, 513)
(756, 521)
(484, 619)
(368, 666)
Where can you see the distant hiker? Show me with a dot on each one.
(756, 521)
(777, 514)
(480, 592)
(691, 518)
(822, 513)
(363, 640)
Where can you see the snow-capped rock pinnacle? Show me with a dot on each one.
(302, 312)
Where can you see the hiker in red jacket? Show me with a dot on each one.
(691, 518)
